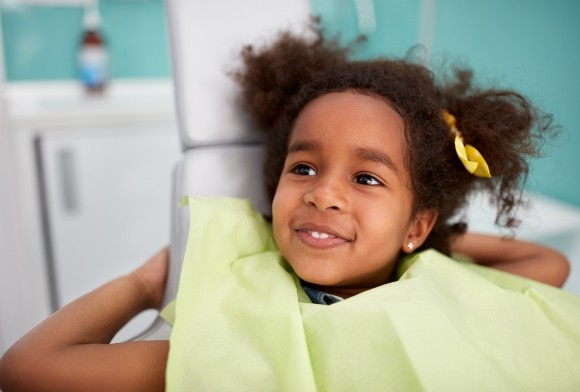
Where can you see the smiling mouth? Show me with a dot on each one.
(319, 239)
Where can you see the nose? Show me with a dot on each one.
(326, 194)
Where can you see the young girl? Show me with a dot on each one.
(366, 162)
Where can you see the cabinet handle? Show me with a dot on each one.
(68, 182)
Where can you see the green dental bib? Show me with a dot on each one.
(243, 322)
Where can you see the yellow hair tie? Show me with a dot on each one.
(469, 156)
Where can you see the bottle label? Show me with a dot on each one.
(93, 64)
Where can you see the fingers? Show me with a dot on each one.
(152, 276)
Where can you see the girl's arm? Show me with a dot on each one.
(517, 257)
(70, 350)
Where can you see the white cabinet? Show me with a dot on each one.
(92, 184)
(105, 193)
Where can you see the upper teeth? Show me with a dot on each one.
(316, 234)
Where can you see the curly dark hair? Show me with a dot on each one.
(279, 79)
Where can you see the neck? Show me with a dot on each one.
(350, 290)
(343, 292)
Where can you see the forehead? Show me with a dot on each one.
(351, 119)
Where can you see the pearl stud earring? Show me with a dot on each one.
(410, 246)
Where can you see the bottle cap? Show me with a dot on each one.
(92, 18)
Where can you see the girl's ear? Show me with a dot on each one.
(421, 226)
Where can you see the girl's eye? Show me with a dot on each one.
(366, 179)
(303, 170)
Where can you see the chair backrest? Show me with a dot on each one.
(206, 39)
(222, 149)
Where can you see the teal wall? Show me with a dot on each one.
(530, 45)
(40, 42)
(533, 45)
(396, 28)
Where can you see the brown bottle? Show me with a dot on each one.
(93, 57)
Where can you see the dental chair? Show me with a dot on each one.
(222, 150)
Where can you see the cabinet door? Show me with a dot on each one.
(106, 205)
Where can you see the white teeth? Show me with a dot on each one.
(323, 236)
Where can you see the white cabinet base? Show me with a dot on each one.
(106, 204)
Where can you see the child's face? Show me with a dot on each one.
(343, 207)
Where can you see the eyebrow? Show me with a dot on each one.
(368, 154)
(303, 145)
(365, 154)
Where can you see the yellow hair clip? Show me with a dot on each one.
(469, 156)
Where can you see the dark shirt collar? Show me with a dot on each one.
(320, 297)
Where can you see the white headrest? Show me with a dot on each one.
(206, 38)
(231, 171)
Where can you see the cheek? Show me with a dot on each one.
(277, 205)
(280, 207)
(283, 198)
(387, 226)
